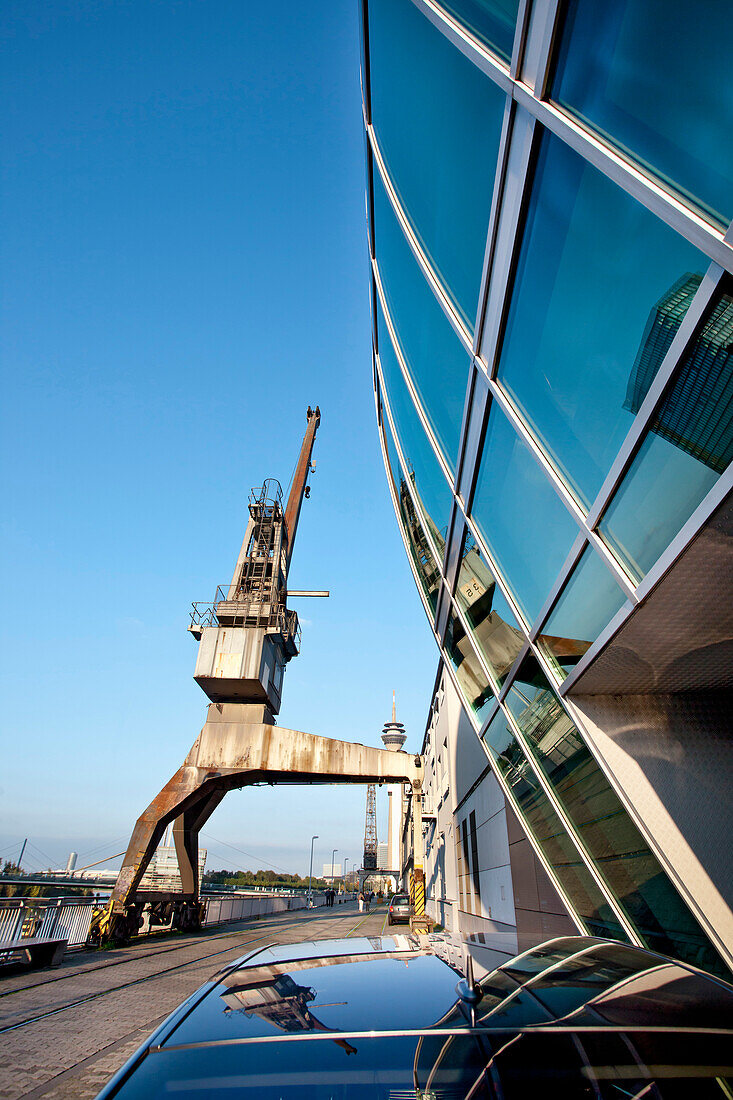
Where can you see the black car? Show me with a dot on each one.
(398, 1017)
(399, 909)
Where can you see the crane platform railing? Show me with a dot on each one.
(255, 612)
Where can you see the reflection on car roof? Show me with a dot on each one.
(384, 1016)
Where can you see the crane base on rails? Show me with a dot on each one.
(246, 637)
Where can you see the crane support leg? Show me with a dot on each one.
(186, 838)
(231, 752)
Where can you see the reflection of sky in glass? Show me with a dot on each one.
(437, 360)
(658, 495)
(525, 525)
(430, 482)
(656, 77)
(588, 603)
(438, 121)
(492, 21)
(593, 265)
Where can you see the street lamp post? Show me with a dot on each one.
(333, 853)
(346, 860)
(310, 875)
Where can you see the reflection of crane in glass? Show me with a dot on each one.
(278, 999)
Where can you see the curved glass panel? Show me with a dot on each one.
(493, 626)
(655, 78)
(541, 821)
(437, 361)
(493, 22)
(438, 122)
(587, 604)
(426, 567)
(591, 312)
(613, 841)
(428, 480)
(526, 527)
(467, 667)
(688, 446)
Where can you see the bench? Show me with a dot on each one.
(39, 951)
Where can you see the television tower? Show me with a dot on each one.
(393, 738)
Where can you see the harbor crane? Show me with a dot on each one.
(246, 635)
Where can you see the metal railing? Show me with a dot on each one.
(70, 918)
(247, 612)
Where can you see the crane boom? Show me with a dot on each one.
(295, 499)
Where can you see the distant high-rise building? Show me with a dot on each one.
(163, 872)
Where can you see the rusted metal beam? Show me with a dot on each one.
(231, 752)
(292, 510)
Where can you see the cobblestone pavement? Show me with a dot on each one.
(72, 1053)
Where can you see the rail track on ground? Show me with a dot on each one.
(136, 957)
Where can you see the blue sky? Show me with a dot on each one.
(185, 270)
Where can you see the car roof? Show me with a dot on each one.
(290, 1016)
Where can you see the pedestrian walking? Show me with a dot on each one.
(361, 902)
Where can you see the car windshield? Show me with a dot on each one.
(400, 899)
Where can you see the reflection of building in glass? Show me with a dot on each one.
(499, 641)
(584, 651)
(422, 555)
(697, 415)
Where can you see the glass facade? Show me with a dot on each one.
(580, 308)
(589, 601)
(595, 432)
(493, 22)
(542, 822)
(609, 835)
(513, 502)
(688, 445)
(421, 553)
(435, 357)
(493, 626)
(614, 68)
(432, 112)
(429, 482)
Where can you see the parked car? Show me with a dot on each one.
(402, 1016)
(399, 909)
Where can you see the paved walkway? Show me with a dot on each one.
(71, 1053)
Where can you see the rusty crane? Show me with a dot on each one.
(246, 636)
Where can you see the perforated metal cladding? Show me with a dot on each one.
(681, 637)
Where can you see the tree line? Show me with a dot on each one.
(271, 879)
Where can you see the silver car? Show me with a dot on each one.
(399, 909)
